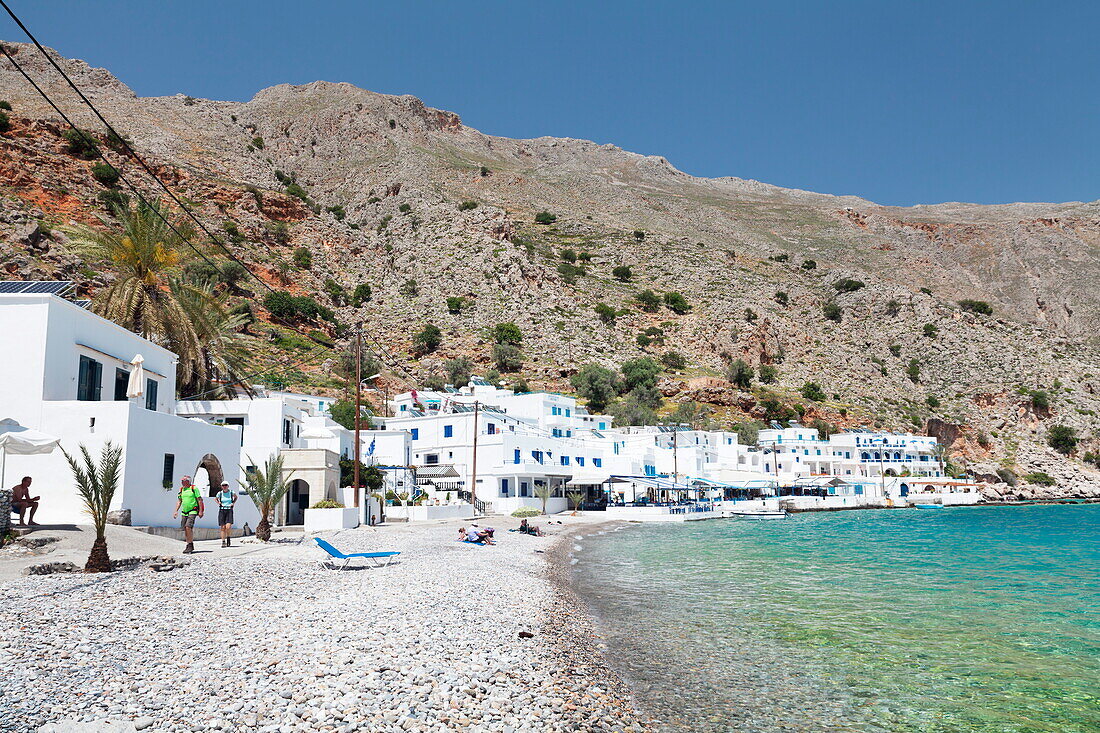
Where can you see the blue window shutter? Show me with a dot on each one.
(416, 433)
(516, 457)
(151, 386)
(448, 431)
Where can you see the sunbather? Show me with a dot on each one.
(530, 529)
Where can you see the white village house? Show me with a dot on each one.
(65, 374)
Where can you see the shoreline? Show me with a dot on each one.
(578, 641)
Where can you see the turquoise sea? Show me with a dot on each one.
(962, 619)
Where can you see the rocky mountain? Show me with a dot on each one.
(860, 298)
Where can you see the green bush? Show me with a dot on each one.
(676, 303)
(545, 217)
(233, 232)
(813, 391)
(913, 371)
(81, 144)
(782, 298)
(648, 301)
(809, 264)
(779, 258)
(1040, 478)
(1040, 400)
(740, 373)
(932, 401)
(114, 200)
(569, 255)
(327, 504)
(639, 234)
(750, 315)
(5, 122)
(338, 212)
(507, 333)
(976, 306)
(427, 340)
(467, 206)
(409, 288)
(526, 512)
(106, 174)
(5, 105)
(117, 143)
(405, 208)
(769, 373)
(361, 295)
(507, 357)
(673, 360)
(458, 371)
(1062, 438)
(335, 291)
(303, 259)
(895, 349)
(930, 330)
(297, 192)
(605, 312)
(622, 273)
(847, 285)
(258, 142)
(832, 311)
(569, 272)
(455, 304)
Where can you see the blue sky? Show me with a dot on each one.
(898, 102)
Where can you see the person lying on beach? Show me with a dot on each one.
(477, 537)
(530, 529)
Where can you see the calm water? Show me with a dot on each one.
(970, 619)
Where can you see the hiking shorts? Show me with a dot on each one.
(188, 520)
(225, 516)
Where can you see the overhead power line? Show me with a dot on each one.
(126, 145)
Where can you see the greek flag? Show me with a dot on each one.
(370, 450)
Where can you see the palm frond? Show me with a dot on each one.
(97, 484)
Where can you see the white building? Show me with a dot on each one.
(65, 373)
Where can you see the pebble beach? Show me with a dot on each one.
(267, 639)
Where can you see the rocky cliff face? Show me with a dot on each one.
(383, 180)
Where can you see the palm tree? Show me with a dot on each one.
(97, 485)
(151, 297)
(224, 353)
(576, 497)
(266, 487)
(544, 492)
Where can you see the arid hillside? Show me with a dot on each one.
(862, 300)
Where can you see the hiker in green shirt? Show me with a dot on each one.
(189, 506)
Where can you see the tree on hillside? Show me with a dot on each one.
(740, 373)
(648, 300)
(458, 371)
(507, 333)
(623, 273)
(427, 340)
(1062, 438)
(507, 357)
(676, 303)
(641, 372)
(596, 384)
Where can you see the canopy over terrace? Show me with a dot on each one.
(818, 485)
(653, 488)
(734, 490)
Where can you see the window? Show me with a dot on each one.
(504, 487)
(89, 380)
(431, 459)
(492, 429)
(580, 460)
(416, 433)
(565, 460)
(122, 381)
(568, 412)
(597, 462)
(847, 454)
(169, 469)
(650, 470)
(603, 426)
(537, 455)
(286, 432)
(516, 457)
(524, 489)
(448, 431)
(151, 394)
(404, 408)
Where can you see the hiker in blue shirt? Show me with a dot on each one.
(226, 499)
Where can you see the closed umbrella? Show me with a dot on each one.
(21, 441)
(136, 386)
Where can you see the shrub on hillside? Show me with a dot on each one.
(809, 264)
(676, 303)
(1040, 478)
(976, 306)
(106, 174)
(81, 144)
(768, 373)
(813, 391)
(303, 259)
(782, 298)
(545, 217)
(832, 311)
(455, 304)
(648, 301)
(409, 288)
(507, 357)
(507, 333)
(570, 272)
(847, 285)
(606, 313)
(458, 371)
(930, 330)
(569, 255)
(673, 360)
(467, 206)
(596, 384)
(1040, 400)
(739, 373)
(1062, 438)
(427, 340)
(361, 295)
(5, 122)
(913, 371)
(622, 273)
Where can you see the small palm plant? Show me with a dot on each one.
(576, 497)
(97, 485)
(544, 492)
(266, 487)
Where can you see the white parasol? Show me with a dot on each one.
(136, 386)
(20, 441)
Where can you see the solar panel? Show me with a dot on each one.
(82, 303)
(53, 287)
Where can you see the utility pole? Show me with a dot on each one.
(473, 463)
(358, 397)
(675, 457)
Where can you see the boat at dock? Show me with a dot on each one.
(759, 513)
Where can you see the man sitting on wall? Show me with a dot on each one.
(189, 507)
(21, 501)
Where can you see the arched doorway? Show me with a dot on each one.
(297, 501)
(209, 474)
(905, 489)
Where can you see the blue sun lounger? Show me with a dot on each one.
(348, 557)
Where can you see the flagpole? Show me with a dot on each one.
(358, 389)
